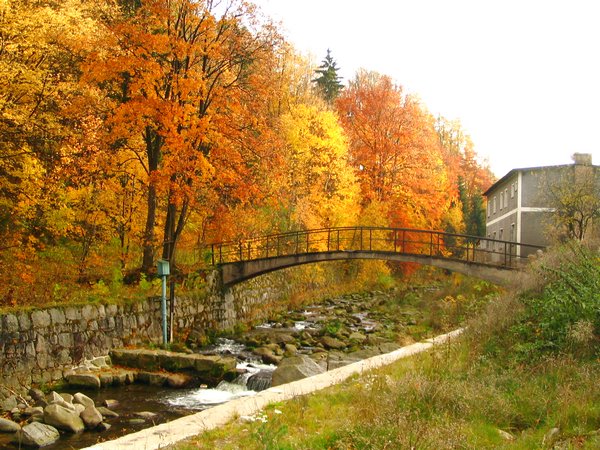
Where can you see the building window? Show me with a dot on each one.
(506, 198)
(512, 233)
(512, 190)
(516, 186)
(501, 235)
(501, 200)
(494, 205)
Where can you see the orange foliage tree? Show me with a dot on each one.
(395, 151)
(178, 75)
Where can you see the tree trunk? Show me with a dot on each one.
(154, 144)
(148, 244)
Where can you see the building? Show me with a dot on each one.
(518, 209)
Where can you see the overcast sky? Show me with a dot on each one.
(523, 76)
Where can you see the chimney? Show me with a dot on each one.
(582, 159)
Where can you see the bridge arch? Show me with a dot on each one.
(233, 273)
(488, 259)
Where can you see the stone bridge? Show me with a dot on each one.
(488, 259)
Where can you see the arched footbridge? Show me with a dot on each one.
(489, 259)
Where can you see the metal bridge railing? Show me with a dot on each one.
(376, 239)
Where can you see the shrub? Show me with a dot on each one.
(565, 315)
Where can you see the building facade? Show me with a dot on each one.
(518, 209)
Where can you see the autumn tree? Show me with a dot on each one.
(319, 185)
(394, 150)
(328, 81)
(468, 177)
(178, 72)
(574, 196)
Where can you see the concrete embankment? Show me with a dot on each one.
(172, 432)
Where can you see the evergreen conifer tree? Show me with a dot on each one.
(328, 81)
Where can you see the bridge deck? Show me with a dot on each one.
(255, 256)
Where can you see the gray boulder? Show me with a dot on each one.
(8, 404)
(36, 434)
(295, 368)
(8, 426)
(107, 412)
(145, 415)
(91, 417)
(38, 397)
(67, 397)
(267, 355)
(83, 399)
(103, 426)
(63, 418)
(178, 380)
(85, 380)
(333, 343)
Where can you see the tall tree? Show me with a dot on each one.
(178, 71)
(328, 80)
(320, 184)
(394, 150)
(468, 177)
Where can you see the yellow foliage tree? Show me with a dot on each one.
(320, 184)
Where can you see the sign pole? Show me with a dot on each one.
(163, 272)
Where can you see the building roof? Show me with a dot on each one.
(528, 169)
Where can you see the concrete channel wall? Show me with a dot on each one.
(37, 346)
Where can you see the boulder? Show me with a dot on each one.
(145, 415)
(331, 342)
(84, 380)
(63, 418)
(103, 426)
(67, 397)
(38, 397)
(32, 411)
(290, 350)
(295, 368)
(54, 397)
(178, 380)
(107, 412)
(8, 426)
(152, 378)
(259, 381)
(8, 404)
(110, 403)
(267, 355)
(79, 408)
(106, 379)
(91, 417)
(505, 435)
(338, 359)
(36, 434)
(357, 337)
(284, 338)
(83, 399)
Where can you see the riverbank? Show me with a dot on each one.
(439, 399)
(523, 376)
(177, 430)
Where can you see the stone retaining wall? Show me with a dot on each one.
(37, 346)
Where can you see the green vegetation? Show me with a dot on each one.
(524, 377)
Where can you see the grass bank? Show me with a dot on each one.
(524, 377)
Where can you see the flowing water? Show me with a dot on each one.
(169, 404)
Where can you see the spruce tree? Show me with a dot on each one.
(328, 81)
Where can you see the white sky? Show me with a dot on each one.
(522, 76)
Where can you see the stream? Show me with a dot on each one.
(350, 319)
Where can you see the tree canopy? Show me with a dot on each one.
(134, 131)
